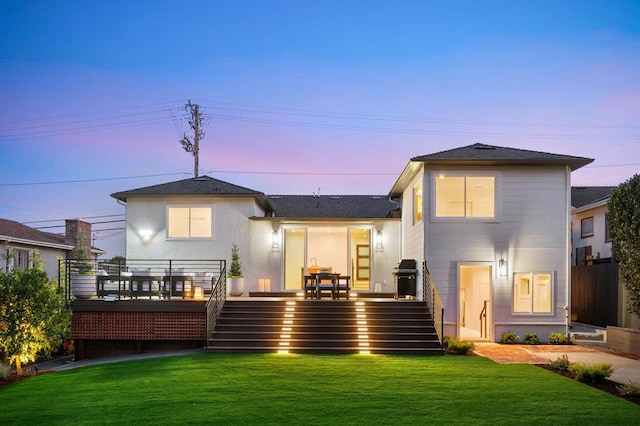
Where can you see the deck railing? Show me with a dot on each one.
(114, 278)
(432, 298)
(216, 300)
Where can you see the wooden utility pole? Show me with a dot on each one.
(196, 124)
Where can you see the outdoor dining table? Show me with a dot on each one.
(316, 281)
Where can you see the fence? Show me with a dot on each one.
(594, 294)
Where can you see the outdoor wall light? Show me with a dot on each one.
(275, 241)
(146, 235)
(502, 267)
(379, 241)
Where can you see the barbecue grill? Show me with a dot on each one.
(405, 278)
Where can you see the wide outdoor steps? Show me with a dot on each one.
(323, 326)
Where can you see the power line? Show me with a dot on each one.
(89, 180)
(87, 217)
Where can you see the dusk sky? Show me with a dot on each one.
(300, 95)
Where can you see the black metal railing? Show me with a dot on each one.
(131, 278)
(432, 298)
(216, 301)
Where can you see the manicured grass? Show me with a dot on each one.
(309, 390)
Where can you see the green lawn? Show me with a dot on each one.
(309, 389)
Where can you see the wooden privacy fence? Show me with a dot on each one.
(594, 294)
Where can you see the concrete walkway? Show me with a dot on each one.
(626, 367)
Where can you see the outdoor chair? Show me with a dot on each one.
(343, 285)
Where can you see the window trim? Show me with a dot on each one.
(466, 173)
(531, 275)
(190, 206)
(582, 222)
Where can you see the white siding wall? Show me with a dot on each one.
(531, 234)
(599, 247)
(413, 241)
(230, 224)
(383, 262)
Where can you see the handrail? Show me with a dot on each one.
(116, 276)
(483, 319)
(216, 300)
(434, 303)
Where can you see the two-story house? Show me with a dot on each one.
(492, 224)
(590, 225)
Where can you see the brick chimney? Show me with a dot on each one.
(74, 228)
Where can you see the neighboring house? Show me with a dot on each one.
(493, 225)
(590, 225)
(22, 245)
(280, 237)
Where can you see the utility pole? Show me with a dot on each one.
(196, 124)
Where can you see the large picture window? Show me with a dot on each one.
(532, 293)
(465, 196)
(189, 222)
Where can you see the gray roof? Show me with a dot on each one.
(332, 206)
(584, 195)
(202, 185)
(481, 154)
(10, 229)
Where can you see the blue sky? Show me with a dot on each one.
(92, 93)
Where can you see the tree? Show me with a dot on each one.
(34, 316)
(624, 226)
(235, 270)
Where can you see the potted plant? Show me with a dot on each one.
(83, 276)
(235, 282)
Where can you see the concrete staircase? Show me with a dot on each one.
(325, 326)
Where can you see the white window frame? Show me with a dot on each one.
(588, 233)
(211, 207)
(462, 173)
(532, 289)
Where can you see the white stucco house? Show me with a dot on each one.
(492, 224)
(590, 225)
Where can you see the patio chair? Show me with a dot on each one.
(143, 283)
(178, 283)
(343, 285)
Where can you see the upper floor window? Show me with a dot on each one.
(189, 222)
(417, 203)
(465, 196)
(532, 293)
(586, 227)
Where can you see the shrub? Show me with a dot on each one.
(556, 338)
(5, 370)
(561, 363)
(457, 347)
(531, 339)
(590, 373)
(630, 388)
(509, 337)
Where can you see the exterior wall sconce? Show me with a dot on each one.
(379, 241)
(275, 241)
(146, 235)
(502, 267)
